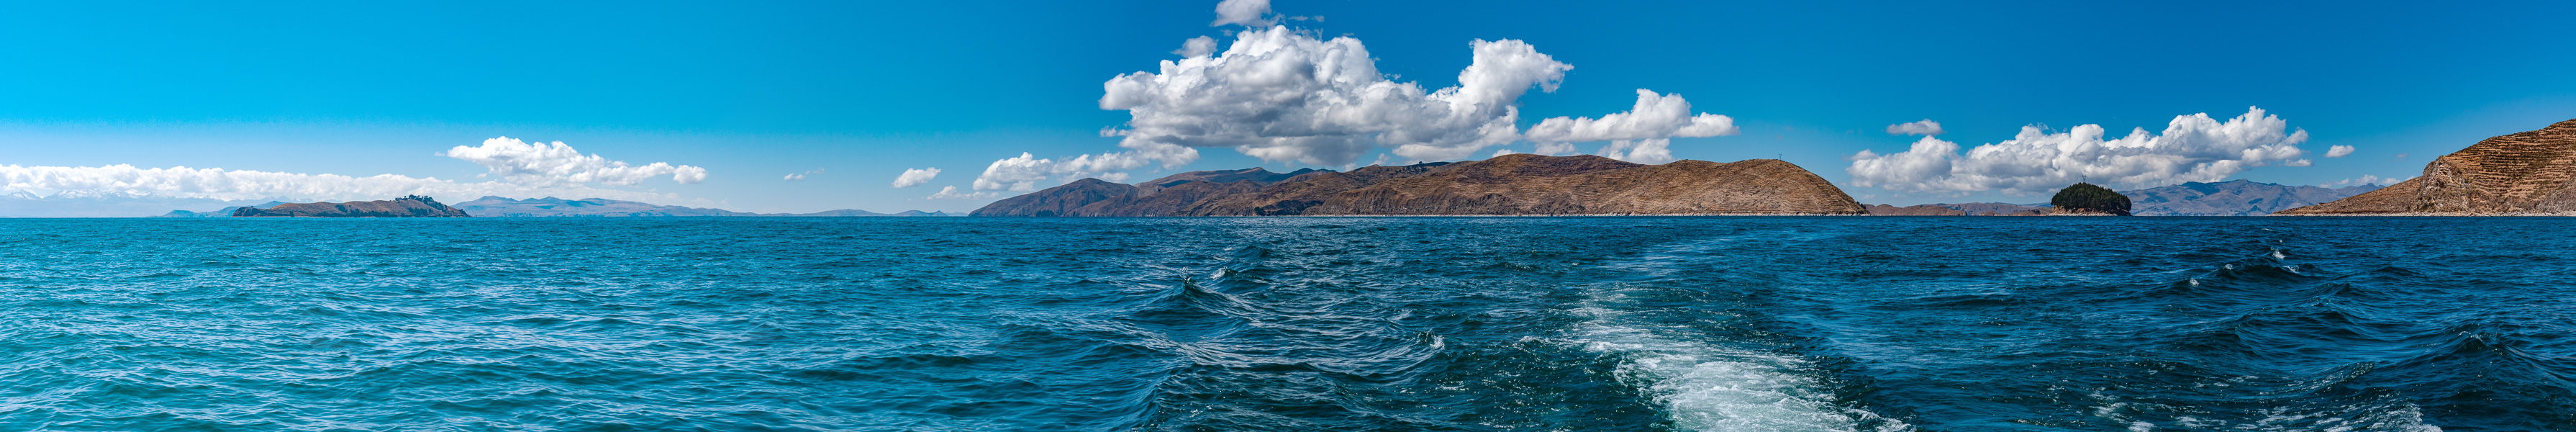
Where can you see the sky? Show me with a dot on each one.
(890, 106)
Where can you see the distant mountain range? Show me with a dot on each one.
(225, 212)
(2234, 198)
(493, 206)
(2231, 198)
(105, 204)
(95, 204)
(1963, 209)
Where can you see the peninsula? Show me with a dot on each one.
(407, 206)
(2521, 174)
(1507, 185)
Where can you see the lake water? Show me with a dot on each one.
(1400, 324)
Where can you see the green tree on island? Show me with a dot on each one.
(2087, 198)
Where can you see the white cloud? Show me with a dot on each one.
(915, 177)
(547, 164)
(1650, 151)
(950, 192)
(1281, 95)
(524, 171)
(218, 183)
(1249, 13)
(1555, 148)
(1642, 134)
(1026, 172)
(2338, 151)
(2192, 148)
(801, 176)
(1197, 47)
(1925, 127)
(2366, 179)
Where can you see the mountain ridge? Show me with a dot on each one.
(2229, 198)
(1517, 184)
(406, 206)
(2523, 173)
(494, 206)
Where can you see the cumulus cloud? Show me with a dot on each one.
(1651, 152)
(547, 164)
(1555, 148)
(950, 192)
(1281, 95)
(915, 177)
(524, 170)
(2338, 151)
(1642, 134)
(2192, 148)
(801, 176)
(1249, 13)
(1925, 127)
(1197, 47)
(1026, 172)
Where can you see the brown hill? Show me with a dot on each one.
(2525, 173)
(1166, 196)
(408, 206)
(1520, 184)
(1294, 196)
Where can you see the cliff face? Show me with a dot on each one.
(1521, 184)
(2525, 173)
(409, 206)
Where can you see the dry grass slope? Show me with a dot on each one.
(2525, 173)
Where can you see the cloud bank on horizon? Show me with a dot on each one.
(2192, 148)
(524, 170)
(1283, 95)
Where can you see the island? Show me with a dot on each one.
(407, 206)
(2089, 199)
(1507, 185)
(2522, 174)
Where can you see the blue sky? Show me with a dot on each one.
(863, 91)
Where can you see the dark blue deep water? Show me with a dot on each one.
(1296, 324)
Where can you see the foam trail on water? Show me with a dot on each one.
(1710, 388)
(1704, 384)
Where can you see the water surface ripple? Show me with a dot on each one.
(1880, 324)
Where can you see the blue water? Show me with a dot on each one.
(1399, 324)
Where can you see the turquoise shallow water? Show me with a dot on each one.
(1432, 324)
